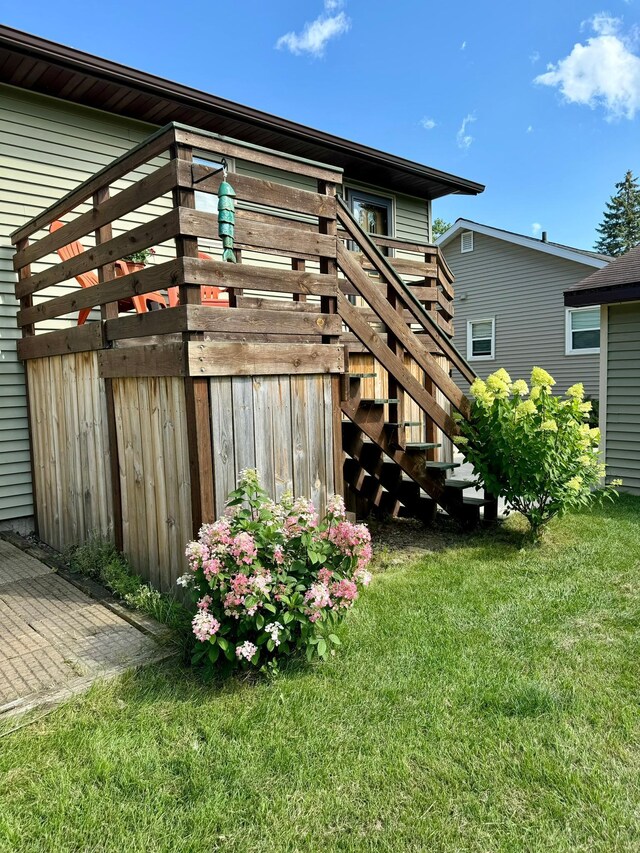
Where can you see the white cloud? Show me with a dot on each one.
(603, 72)
(464, 139)
(534, 57)
(428, 123)
(536, 228)
(463, 46)
(315, 34)
(530, 129)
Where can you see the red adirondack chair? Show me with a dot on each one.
(209, 295)
(89, 279)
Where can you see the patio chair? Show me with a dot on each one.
(209, 294)
(89, 279)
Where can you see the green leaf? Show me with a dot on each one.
(322, 647)
(335, 640)
(287, 617)
(259, 621)
(213, 652)
(224, 644)
(309, 652)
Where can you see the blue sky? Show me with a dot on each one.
(450, 85)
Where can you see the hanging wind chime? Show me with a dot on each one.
(226, 216)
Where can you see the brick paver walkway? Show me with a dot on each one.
(54, 638)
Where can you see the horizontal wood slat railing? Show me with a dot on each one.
(383, 267)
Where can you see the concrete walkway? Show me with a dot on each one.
(54, 639)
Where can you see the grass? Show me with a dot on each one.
(484, 699)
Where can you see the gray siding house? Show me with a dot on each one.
(615, 292)
(509, 304)
(65, 114)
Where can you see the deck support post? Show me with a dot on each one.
(196, 389)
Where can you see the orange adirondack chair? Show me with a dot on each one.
(209, 295)
(89, 279)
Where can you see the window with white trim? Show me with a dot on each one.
(481, 338)
(583, 331)
(466, 241)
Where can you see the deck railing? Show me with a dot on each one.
(309, 294)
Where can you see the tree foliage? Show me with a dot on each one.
(439, 227)
(620, 227)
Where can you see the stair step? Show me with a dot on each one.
(452, 483)
(379, 401)
(362, 375)
(477, 501)
(441, 466)
(421, 445)
(403, 423)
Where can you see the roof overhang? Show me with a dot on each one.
(565, 252)
(582, 297)
(43, 66)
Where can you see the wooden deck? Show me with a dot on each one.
(140, 423)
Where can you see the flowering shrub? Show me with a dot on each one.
(533, 448)
(271, 579)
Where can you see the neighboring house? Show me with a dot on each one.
(65, 114)
(509, 304)
(615, 292)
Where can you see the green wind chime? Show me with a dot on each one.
(226, 216)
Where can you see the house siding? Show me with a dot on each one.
(622, 438)
(523, 290)
(47, 147)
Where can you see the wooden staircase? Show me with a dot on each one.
(385, 472)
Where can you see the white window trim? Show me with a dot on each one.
(464, 251)
(492, 355)
(568, 339)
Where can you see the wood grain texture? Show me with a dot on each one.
(70, 449)
(281, 425)
(153, 458)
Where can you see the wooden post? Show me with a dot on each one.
(328, 266)
(198, 411)
(109, 312)
(298, 264)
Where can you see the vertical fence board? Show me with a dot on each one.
(265, 437)
(224, 469)
(243, 427)
(280, 391)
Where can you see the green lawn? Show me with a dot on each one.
(484, 699)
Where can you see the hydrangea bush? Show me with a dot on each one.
(532, 447)
(272, 579)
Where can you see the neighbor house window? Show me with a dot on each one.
(481, 338)
(466, 241)
(583, 331)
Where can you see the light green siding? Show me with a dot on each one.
(523, 290)
(622, 438)
(47, 147)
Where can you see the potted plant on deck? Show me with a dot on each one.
(136, 260)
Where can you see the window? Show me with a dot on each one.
(466, 241)
(583, 331)
(373, 213)
(481, 336)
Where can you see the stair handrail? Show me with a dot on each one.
(383, 266)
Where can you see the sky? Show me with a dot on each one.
(539, 101)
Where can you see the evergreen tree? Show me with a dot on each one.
(439, 227)
(620, 227)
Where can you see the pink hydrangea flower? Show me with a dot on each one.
(345, 592)
(278, 555)
(336, 507)
(243, 548)
(211, 567)
(352, 540)
(204, 625)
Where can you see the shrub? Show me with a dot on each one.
(533, 448)
(272, 580)
(100, 560)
